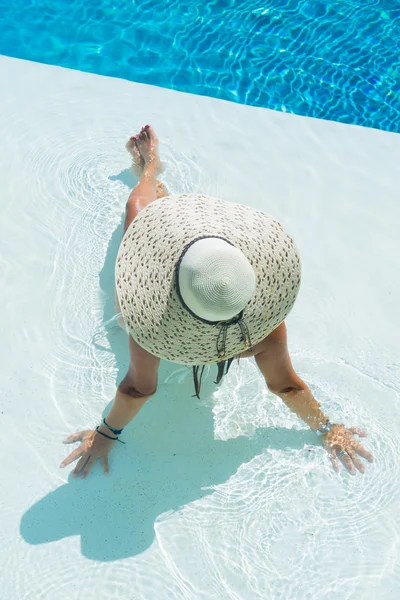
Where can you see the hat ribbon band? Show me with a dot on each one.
(223, 334)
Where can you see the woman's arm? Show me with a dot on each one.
(273, 360)
(139, 385)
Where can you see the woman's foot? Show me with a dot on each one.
(147, 143)
(144, 151)
(138, 160)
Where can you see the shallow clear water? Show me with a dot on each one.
(336, 60)
(230, 497)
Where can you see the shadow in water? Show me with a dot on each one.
(169, 459)
(126, 177)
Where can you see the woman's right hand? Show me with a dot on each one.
(93, 446)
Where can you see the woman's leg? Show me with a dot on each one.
(144, 150)
(147, 164)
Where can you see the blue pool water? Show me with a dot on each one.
(337, 60)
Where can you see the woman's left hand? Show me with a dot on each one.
(340, 444)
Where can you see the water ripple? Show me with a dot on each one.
(322, 531)
(84, 203)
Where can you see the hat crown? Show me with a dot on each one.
(216, 280)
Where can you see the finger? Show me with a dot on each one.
(75, 437)
(88, 466)
(73, 456)
(106, 465)
(334, 460)
(81, 465)
(348, 463)
(356, 461)
(358, 431)
(362, 451)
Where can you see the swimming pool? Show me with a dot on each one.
(230, 497)
(336, 60)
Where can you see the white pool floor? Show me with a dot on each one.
(230, 497)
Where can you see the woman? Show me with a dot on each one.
(202, 281)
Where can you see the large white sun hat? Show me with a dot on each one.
(199, 280)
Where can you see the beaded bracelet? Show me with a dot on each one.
(108, 436)
(114, 431)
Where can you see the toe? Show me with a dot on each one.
(152, 135)
(138, 154)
